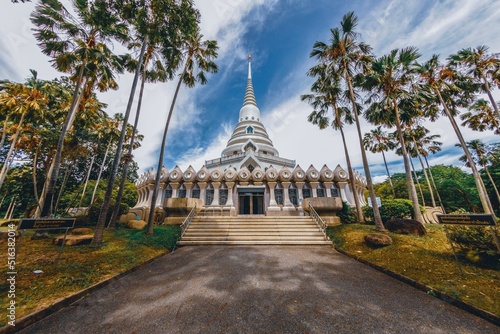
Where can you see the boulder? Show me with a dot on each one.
(72, 240)
(405, 226)
(82, 231)
(136, 224)
(376, 240)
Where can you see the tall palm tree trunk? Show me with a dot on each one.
(4, 131)
(409, 180)
(490, 96)
(116, 209)
(3, 172)
(493, 183)
(483, 195)
(389, 175)
(100, 172)
(433, 201)
(34, 176)
(86, 181)
(434, 184)
(63, 186)
(417, 180)
(56, 162)
(99, 231)
(154, 196)
(376, 212)
(359, 210)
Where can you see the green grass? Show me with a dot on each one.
(428, 260)
(79, 267)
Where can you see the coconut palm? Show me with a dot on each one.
(198, 56)
(481, 117)
(78, 46)
(388, 84)
(482, 66)
(346, 56)
(379, 141)
(481, 154)
(440, 83)
(329, 94)
(18, 101)
(153, 70)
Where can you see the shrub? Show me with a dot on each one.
(391, 209)
(347, 214)
(476, 244)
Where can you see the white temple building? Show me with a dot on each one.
(249, 178)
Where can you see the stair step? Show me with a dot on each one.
(253, 230)
(254, 242)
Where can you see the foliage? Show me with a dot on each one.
(80, 266)
(428, 260)
(392, 208)
(476, 244)
(347, 214)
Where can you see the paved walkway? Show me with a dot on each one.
(222, 289)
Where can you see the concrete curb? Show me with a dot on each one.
(444, 297)
(39, 315)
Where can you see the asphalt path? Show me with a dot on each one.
(259, 289)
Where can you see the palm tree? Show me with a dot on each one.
(153, 70)
(199, 56)
(18, 100)
(388, 84)
(481, 117)
(77, 46)
(481, 155)
(378, 141)
(346, 56)
(483, 67)
(423, 143)
(328, 94)
(439, 82)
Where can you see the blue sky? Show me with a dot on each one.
(280, 35)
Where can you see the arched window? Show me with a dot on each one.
(249, 129)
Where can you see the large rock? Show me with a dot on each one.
(405, 226)
(73, 240)
(82, 231)
(136, 224)
(376, 240)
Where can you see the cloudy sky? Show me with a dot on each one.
(279, 34)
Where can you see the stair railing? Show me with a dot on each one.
(317, 219)
(187, 221)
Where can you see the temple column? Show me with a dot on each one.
(342, 187)
(328, 188)
(230, 186)
(161, 194)
(314, 188)
(300, 186)
(230, 203)
(203, 187)
(286, 197)
(175, 186)
(216, 186)
(189, 186)
(273, 208)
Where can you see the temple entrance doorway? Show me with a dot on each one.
(251, 201)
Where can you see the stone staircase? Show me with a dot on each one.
(253, 230)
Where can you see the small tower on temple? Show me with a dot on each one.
(249, 145)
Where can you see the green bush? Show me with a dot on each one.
(347, 214)
(476, 244)
(391, 209)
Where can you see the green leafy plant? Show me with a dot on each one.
(391, 209)
(476, 244)
(347, 214)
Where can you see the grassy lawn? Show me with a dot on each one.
(428, 260)
(79, 267)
